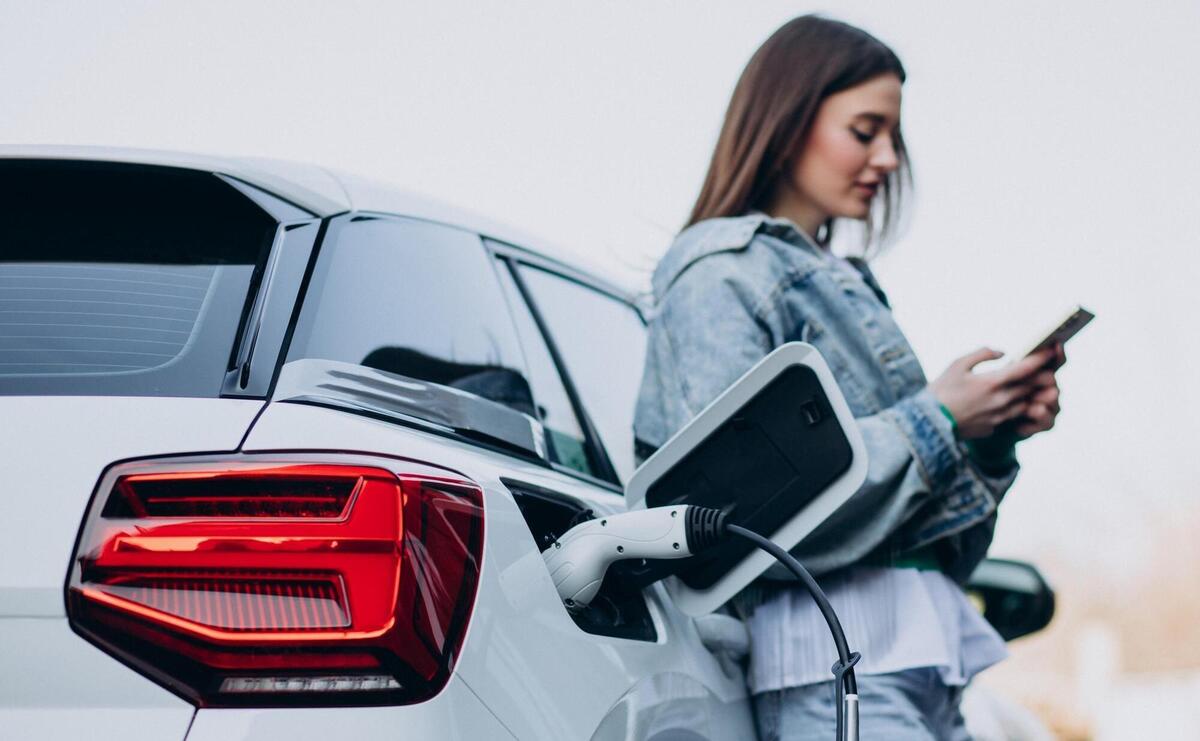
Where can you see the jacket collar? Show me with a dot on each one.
(722, 235)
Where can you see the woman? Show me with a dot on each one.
(812, 135)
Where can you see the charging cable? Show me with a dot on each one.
(580, 557)
(843, 670)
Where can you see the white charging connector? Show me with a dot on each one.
(579, 559)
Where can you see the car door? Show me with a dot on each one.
(595, 340)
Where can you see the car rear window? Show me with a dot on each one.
(122, 279)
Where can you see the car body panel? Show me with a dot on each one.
(524, 656)
(56, 447)
(54, 685)
(456, 713)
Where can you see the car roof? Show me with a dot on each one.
(325, 192)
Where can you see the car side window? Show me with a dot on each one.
(565, 440)
(416, 299)
(602, 341)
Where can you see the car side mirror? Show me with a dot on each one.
(1014, 596)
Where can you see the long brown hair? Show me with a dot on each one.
(772, 110)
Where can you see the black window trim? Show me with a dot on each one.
(520, 255)
(293, 317)
(498, 246)
(513, 258)
(594, 446)
(292, 247)
(278, 211)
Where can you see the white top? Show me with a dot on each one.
(896, 618)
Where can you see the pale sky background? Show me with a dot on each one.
(1055, 145)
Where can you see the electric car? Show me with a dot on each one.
(281, 451)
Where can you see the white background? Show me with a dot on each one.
(1056, 148)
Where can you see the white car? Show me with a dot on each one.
(281, 451)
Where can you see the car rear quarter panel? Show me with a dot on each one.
(524, 657)
(53, 450)
(455, 715)
(53, 683)
(56, 685)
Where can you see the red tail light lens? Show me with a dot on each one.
(288, 491)
(255, 583)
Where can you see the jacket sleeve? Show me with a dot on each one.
(996, 471)
(914, 463)
(916, 466)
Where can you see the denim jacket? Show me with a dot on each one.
(730, 290)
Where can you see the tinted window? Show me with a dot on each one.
(603, 343)
(122, 279)
(415, 299)
(565, 441)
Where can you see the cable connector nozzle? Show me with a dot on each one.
(580, 557)
(705, 527)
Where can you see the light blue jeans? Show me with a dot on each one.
(911, 705)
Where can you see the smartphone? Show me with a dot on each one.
(1066, 330)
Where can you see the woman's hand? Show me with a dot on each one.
(1043, 407)
(980, 402)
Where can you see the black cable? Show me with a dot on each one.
(843, 671)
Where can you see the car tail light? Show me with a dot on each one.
(268, 583)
